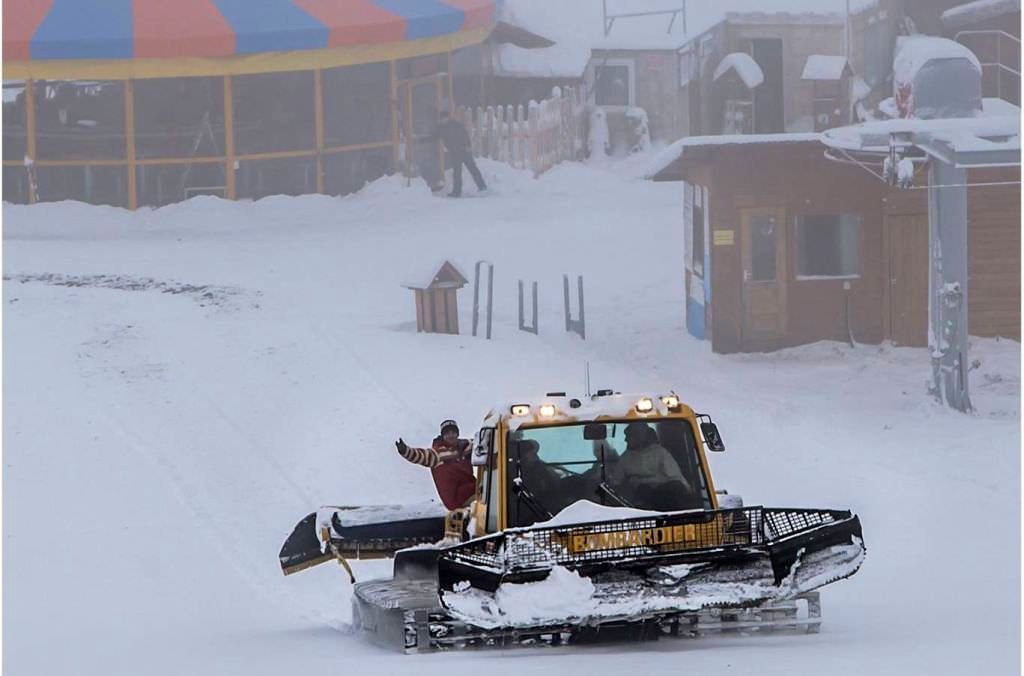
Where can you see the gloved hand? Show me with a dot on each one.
(400, 445)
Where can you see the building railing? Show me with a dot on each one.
(1006, 52)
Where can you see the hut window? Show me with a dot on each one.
(273, 112)
(81, 119)
(179, 117)
(614, 83)
(828, 246)
(357, 104)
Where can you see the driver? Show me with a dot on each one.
(645, 465)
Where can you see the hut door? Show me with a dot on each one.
(763, 242)
(907, 247)
(421, 101)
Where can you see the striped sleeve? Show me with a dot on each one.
(427, 457)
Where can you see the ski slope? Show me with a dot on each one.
(182, 385)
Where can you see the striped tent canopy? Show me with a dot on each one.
(40, 30)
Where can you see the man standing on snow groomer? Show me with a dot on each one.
(449, 463)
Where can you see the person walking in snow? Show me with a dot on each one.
(455, 138)
(449, 463)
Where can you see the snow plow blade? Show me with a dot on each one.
(652, 567)
(359, 533)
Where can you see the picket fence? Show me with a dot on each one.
(535, 137)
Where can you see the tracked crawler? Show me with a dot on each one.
(593, 519)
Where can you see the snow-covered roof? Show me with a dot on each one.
(916, 50)
(439, 276)
(674, 152)
(562, 60)
(978, 11)
(824, 67)
(953, 138)
(745, 67)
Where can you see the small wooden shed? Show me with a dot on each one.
(437, 309)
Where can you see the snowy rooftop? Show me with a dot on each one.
(664, 160)
(562, 60)
(745, 67)
(975, 12)
(824, 67)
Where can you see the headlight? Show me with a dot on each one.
(547, 410)
(520, 410)
(645, 405)
(670, 400)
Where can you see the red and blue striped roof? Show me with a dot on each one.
(162, 29)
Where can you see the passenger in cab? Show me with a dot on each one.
(647, 475)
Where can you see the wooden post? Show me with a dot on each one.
(451, 84)
(129, 133)
(30, 131)
(229, 139)
(393, 85)
(318, 121)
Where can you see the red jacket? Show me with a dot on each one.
(451, 469)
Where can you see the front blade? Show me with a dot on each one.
(303, 548)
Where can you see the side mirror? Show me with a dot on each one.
(482, 445)
(595, 432)
(712, 439)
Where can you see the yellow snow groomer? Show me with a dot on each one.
(594, 518)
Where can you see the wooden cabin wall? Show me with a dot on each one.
(799, 179)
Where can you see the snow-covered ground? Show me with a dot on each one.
(182, 385)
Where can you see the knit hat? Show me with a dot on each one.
(449, 424)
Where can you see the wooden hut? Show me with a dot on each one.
(437, 309)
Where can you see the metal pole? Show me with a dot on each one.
(490, 298)
(476, 297)
(582, 319)
(565, 293)
(535, 329)
(948, 325)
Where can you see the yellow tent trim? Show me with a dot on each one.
(269, 62)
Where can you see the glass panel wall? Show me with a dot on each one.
(357, 104)
(179, 117)
(273, 112)
(15, 121)
(284, 176)
(85, 183)
(164, 184)
(81, 119)
(347, 172)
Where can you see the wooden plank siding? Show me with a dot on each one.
(797, 178)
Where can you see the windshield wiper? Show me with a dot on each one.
(604, 489)
(535, 505)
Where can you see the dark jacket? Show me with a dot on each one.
(453, 135)
(451, 468)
